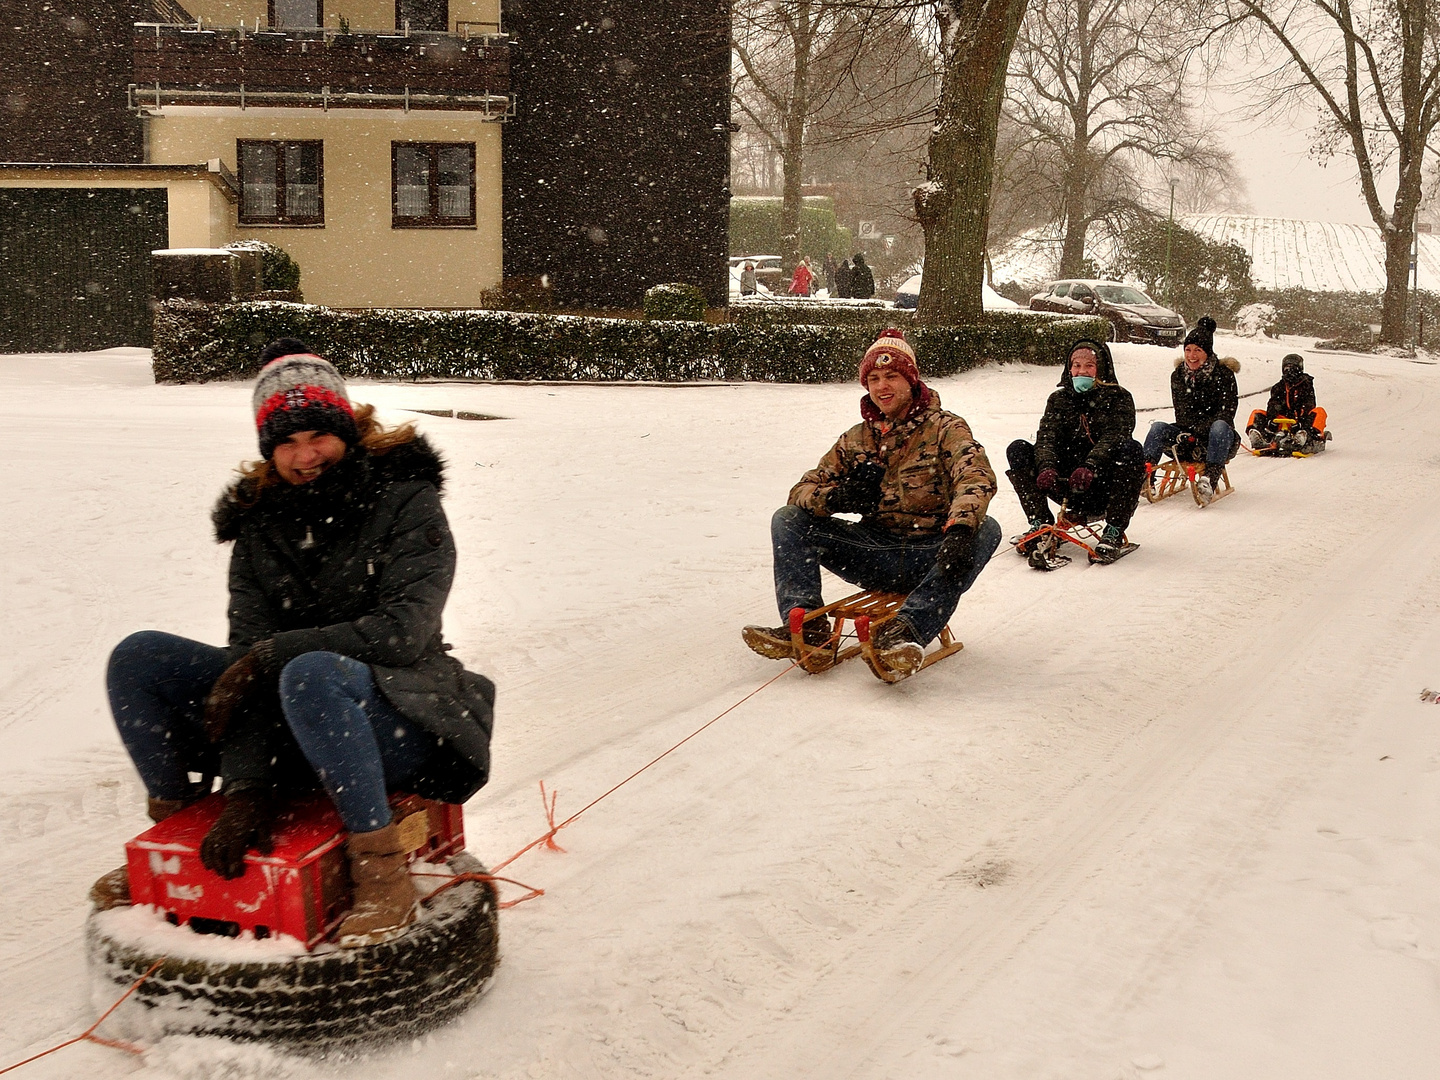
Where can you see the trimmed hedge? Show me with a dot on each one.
(760, 314)
(197, 342)
(675, 300)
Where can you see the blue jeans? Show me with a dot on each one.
(1221, 441)
(872, 559)
(341, 729)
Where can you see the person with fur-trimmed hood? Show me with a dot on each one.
(336, 674)
(1084, 454)
(1205, 394)
(1292, 398)
(921, 485)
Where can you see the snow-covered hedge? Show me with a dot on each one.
(196, 342)
(758, 314)
(675, 300)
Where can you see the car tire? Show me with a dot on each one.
(335, 999)
(1115, 334)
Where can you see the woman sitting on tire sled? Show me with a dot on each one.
(336, 671)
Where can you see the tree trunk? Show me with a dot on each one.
(1077, 224)
(953, 205)
(1394, 326)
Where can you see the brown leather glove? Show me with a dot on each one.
(252, 674)
(245, 823)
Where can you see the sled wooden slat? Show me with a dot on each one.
(1172, 477)
(879, 608)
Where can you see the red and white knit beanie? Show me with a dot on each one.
(299, 391)
(890, 350)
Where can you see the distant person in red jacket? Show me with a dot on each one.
(804, 277)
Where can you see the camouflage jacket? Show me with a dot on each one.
(935, 471)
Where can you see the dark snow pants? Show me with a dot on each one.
(1114, 494)
(872, 559)
(337, 727)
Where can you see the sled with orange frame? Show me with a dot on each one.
(1283, 445)
(1043, 546)
(865, 612)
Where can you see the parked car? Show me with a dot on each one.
(767, 268)
(1133, 315)
(908, 295)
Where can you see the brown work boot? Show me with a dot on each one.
(384, 899)
(774, 642)
(111, 890)
(160, 809)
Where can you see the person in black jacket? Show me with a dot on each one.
(336, 673)
(862, 281)
(1084, 453)
(1292, 398)
(1205, 395)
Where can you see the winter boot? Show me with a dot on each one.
(895, 645)
(160, 809)
(1208, 484)
(1112, 543)
(773, 642)
(1259, 440)
(384, 900)
(111, 890)
(1025, 547)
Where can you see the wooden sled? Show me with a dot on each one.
(1172, 476)
(1042, 547)
(866, 612)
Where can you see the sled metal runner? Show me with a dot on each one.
(1171, 477)
(866, 612)
(1042, 547)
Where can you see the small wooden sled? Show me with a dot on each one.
(1171, 477)
(866, 612)
(1043, 549)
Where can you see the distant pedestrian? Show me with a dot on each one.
(747, 280)
(830, 269)
(842, 280)
(804, 276)
(862, 281)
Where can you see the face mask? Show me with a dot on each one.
(1082, 383)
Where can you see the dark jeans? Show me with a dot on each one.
(872, 559)
(1114, 494)
(338, 727)
(1221, 441)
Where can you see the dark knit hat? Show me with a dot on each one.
(890, 350)
(1203, 335)
(1292, 364)
(299, 391)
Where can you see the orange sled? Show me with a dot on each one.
(1043, 547)
(866, 612)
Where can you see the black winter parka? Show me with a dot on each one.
(1293, 399)
(1211, 395)
(359, 562)
(1085, 429)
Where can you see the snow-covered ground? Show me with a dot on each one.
(1176, 817)
(1285, 253)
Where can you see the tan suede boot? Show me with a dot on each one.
(113, 889)
(384, 900)
(160, 809)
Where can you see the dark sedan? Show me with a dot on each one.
(1133, 316)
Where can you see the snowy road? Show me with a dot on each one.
(1177, 817)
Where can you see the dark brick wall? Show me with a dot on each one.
(615, 175)
(62, 81)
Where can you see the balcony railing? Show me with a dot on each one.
(190, 65)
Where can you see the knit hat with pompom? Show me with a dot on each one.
(299, 391)
(893, 351)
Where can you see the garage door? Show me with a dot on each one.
(75, 267)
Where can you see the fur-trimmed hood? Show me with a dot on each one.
(1228, 361)
(412, 461)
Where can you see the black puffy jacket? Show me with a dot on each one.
(1291, 398)
(359, 562)
(1085, 428)
(1211, 394)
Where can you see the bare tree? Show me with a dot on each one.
(1373, 68)
(1099, 87)
(974, 39)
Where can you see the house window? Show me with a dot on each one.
(433, 184)
(296, 14)
(422, 14)
(281, 183)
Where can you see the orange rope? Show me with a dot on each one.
(548, 840)
(89, 1033)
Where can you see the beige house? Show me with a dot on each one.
(361, 137)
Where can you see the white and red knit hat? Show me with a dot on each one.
(299, 391)
(891, 350)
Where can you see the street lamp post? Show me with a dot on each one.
(1169, 232)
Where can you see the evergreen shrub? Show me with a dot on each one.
(675, 300)
(197, 342)
(278, 271)
(755, 228)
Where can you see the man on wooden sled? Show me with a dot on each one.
(920, 484)
(1085, 458)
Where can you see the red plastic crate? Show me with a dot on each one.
(302, 888)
